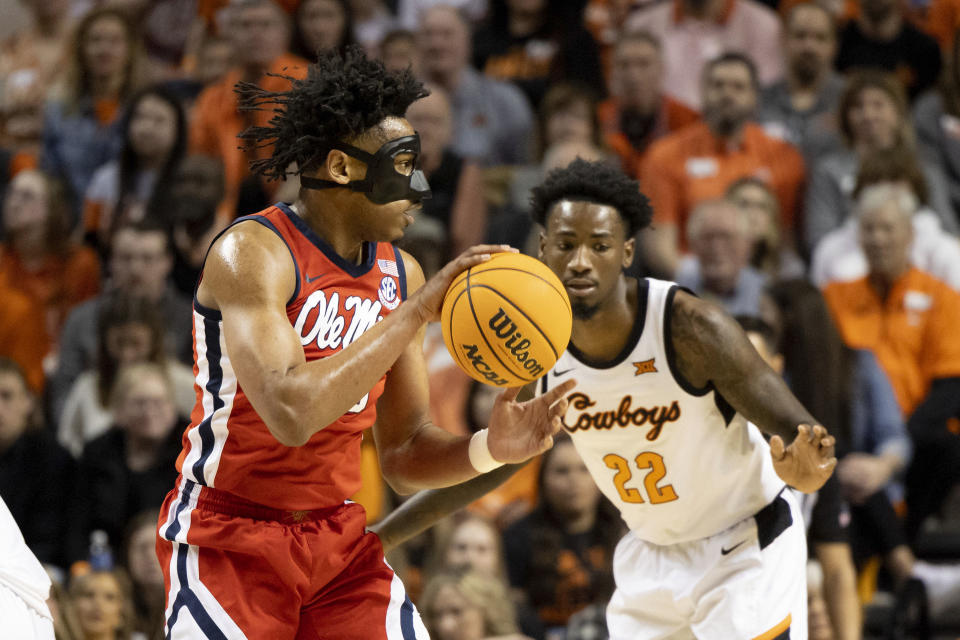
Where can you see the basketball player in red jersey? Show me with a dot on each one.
(308, 328)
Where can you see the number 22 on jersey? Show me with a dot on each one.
(657, 470)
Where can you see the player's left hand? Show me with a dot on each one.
(521, 430)
(808, 462)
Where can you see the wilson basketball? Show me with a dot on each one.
(506, 321)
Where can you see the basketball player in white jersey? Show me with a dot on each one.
(666, 384)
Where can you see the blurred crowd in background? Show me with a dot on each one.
(803, 162)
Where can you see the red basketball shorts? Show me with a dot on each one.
(234, 569)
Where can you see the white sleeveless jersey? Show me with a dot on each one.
(677, 461)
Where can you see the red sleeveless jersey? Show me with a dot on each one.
(227, 445)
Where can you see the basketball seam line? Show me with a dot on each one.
(560, 292)
(476, 321)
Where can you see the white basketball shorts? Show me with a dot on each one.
(745, 583)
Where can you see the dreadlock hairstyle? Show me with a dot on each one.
(342, 97)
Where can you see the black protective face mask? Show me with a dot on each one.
(383, 183)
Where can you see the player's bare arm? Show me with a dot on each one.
(426, 508)
(711, 348)
(249, 277)
(416, 454)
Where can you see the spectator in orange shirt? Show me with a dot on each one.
(639, 112)
(260, 31)
(701, 160)
(943, 21)
(908, 319)
(37, 256)
(22, 335)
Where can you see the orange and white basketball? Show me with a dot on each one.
(506, 321)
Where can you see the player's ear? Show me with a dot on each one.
(628, 248)
(337, 166)
(542, 245)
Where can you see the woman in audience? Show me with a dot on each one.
(129, 331)
(37, 256)
(455, 182)
(99, 606)
(36, 473)
(462, 604)
(154, 142)
(140, 560)
(131, 467)
(471, 541)
(81, 129)
(321, 24)
(568, 113)
(561, 554)
(873, 117)
(773, 253)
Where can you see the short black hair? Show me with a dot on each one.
(734, 57)
(596, 182)
(342, 97)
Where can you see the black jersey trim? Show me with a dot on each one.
(263, 220)
(684, 384)
(369, 249)
(402, 270)
(643, 292)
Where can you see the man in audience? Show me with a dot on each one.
(639, 112)
(700, 161)
(839, 257)
(492, 120)
(140, 264)
(694, 32)
(881, 37)
(803, 104)
(908, 319)
(719, 270)
(260, 31)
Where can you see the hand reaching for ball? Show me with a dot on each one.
(521, 430)
(429, 298)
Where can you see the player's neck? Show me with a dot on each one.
(326, 222)
(604, 335)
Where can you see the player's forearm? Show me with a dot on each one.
(840, 590)
(771, 405)
(313, 395)
(426, 508)
(430, 458)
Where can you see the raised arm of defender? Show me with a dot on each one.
(711, 347)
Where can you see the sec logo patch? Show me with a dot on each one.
(389, 293)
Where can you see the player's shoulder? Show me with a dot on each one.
(248, 251)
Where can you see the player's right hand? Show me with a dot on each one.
(429, 298)
(808, 462)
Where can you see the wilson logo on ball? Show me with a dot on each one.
(514, 342)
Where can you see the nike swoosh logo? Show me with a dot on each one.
(309, 279)
(557, 374)
(724, 552)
